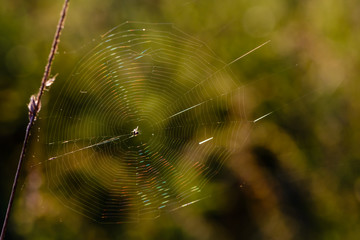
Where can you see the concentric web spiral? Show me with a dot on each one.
(146, 119)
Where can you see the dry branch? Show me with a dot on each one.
(34, 107)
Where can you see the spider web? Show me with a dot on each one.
(188, 109)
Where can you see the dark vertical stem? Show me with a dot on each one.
(33, 112)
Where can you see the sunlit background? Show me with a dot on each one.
(296, 177)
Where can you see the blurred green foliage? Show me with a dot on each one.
(297, 177)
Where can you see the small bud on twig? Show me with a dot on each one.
(49, 82)
(34, 106)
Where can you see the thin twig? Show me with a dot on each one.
(34, 108)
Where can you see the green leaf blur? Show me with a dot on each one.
(298, 174)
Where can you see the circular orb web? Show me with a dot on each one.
(147, 117)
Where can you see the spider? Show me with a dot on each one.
(135, 132)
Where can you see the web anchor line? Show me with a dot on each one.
(263, 116)
(113, 139)
(219, 70)
(206, 140)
